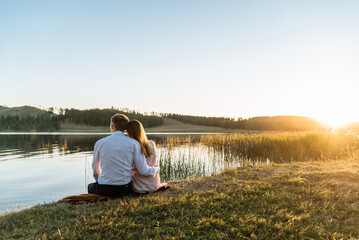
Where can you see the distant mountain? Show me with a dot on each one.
(23, 111)
(276, 123)
(282, 123)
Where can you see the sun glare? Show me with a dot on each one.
(335, 121)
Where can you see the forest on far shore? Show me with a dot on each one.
(276, 123)
(28, 118)
(41, 120)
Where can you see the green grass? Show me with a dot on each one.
(301, 200)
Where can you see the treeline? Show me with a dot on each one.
(51, 121)
(30, 123)
(206, 121)
(101, 117)
(282, 123)
(277, 123)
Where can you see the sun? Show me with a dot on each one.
(334, 121)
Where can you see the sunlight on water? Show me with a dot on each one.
(191, 160)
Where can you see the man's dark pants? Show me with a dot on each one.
(110, 190)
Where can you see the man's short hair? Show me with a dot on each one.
(119, 122)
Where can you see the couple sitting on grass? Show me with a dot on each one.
(122, 165)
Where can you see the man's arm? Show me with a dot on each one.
(141, 164)
(96, 161)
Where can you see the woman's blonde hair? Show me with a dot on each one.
(136, 131)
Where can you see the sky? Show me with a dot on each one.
(211, 58)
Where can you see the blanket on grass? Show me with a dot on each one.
(89, 198)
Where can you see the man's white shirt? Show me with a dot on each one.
(113, 159)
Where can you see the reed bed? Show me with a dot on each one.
(283, 147)
(188, 157)
(172, 142)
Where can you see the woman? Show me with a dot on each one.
(144, 184)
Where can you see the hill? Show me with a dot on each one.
(97, 120)
(275, 123)
(28, 118)
(171, 125)
(23, 111)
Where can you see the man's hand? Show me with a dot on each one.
(157, 170)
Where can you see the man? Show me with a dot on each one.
(113, 158)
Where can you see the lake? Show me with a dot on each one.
(45, 167)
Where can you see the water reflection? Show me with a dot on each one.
(191, 160)
(23, 146)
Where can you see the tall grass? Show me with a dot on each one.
(189, 157)
(286, 146)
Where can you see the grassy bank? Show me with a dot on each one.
(318, 200)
